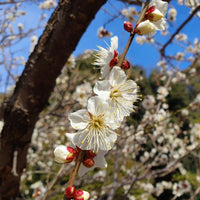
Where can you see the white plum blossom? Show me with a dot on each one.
(102, 32)
(162, 64)
(148, 102)
(181, 37)
(87, 53)
(140, 39)
(95, 126)
(172, 14)
(192, 3)
(179, 56)
(161, 115)
(181, 187)
(195, 133)
(34, 40)
(48, 4)
(162, 92)
(159, 188)
(1, 125)
(100, 175)
(154, 19)
(107, 58)
(82, 93)
(39, 190)
(197, 99)
(99, 160)
(180, 2)
(20, 26)
(129, 13)
(119, 92)
(71, 62)
(185, 112)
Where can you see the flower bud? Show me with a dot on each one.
(115, 53)
(114, 61)
(81, 195)
(125, 65)
(88, 162)
(90, 154)
(128, 26)
(64, 154)
(145, 28)
(172, 14)
(153, 14)
(69, 192)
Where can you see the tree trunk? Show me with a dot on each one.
(60, 37)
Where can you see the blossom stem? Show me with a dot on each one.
(132, 34)
(76, 168)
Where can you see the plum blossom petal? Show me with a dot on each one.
(122, 92)
(79, 119)
(96, 130)
(105, 57)
(99, 161)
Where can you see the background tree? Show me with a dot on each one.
(35, 86)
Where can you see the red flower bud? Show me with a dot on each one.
(115, 53)
(128, 26)
(90, 154)
(114, 61)
(88, 162)
(64, 154)
(150, 10)
(81, 195)
(71, 155)
(69, 192)
(125, 65)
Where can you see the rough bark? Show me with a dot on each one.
(60, 37)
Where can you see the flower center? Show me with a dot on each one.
(96, 122)
(115, 93)
(115, 59)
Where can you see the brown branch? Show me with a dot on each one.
(76, 168)
(162, 50)
(58, 175)
(60, 37)
(195, 194)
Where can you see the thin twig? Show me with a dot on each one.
(53, 182)
(115, 176)
(162, 50)
(132, 34)
(195, 194)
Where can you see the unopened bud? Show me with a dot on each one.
(125, 65)
(88, 162)
(90, 154)
(145, 28)
(115, 53)
(153, 14)
(69, 192)
(128, 26)
(114, 61)
(81, 195)
(64, 154)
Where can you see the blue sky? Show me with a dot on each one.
(143, 55)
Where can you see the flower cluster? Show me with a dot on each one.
(96, 126)
(102, 32)
(153, 19)
(71, 192)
